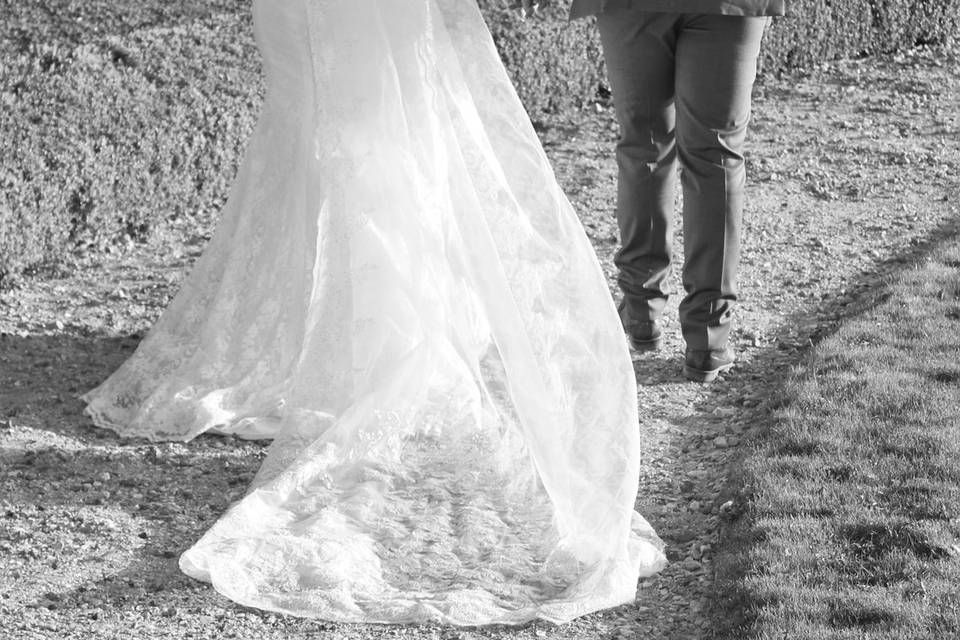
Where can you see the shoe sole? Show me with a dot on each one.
(696, 375)
(646, 345)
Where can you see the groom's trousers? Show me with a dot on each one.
(681, 88)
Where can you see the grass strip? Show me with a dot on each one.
(847, 524)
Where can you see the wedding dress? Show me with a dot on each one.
(402, 298)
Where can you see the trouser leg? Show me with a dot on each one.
(639, 51)
(715, 69)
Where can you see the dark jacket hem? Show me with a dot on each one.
(582, 8)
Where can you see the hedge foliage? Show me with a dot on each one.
(555, 65)
(104, 141)
(819, 30)
(117, 119)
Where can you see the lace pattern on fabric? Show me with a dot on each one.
(400, 295)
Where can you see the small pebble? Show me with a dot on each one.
(691, 565)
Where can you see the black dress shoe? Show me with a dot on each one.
(645, 335)
(704, 365)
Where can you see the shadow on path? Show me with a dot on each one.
(92, 521)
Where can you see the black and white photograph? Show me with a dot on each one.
(480, 319)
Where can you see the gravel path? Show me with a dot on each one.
(854, 170)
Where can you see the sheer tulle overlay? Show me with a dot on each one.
(401, 297)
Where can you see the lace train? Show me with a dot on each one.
(400, 295)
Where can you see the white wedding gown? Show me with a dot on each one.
(400, 295)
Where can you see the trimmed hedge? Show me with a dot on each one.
(115, 121)
(555, 65)
(107, 141)
(819, 30)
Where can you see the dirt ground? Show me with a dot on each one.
(852, 168)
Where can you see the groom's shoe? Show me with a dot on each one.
(704, 365)
(645, 335)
